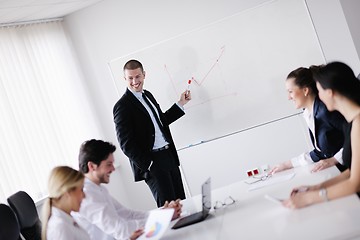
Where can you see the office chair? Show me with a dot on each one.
(25, 210)
(9, 226)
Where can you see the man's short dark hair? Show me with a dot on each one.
(94, 151)
(133, 64)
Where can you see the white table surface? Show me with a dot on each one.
(254, 217)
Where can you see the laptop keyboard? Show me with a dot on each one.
(185, 221)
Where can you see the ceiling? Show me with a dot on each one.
(12, 11)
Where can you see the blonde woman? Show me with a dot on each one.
(65, 188)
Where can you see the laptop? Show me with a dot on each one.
(198, 216)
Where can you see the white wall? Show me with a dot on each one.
(115, 28)
(351, 10)
(334, 32)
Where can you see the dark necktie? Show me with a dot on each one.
(154, 113)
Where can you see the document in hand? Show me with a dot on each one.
(157, 223)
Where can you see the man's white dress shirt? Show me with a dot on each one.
(104, 218)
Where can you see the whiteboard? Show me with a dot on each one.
(228, 159)
(238, 66)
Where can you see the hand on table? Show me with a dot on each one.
(323, 164)
(280, 167)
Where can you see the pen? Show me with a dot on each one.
(188, 86)
(301, 189)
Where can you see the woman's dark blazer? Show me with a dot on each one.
(329, 131)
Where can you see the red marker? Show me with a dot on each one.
(188, 86)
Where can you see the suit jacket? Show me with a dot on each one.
(329, 131)
(136, 133)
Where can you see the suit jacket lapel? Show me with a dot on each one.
(316, 107)
(153, 101)
(136, 101)
(315, 113)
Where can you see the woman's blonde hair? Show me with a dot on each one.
(62, 179)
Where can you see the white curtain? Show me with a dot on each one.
(45, 113)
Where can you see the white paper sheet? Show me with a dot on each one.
(272, 180)
(157, 223)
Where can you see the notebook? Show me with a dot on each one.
(198, 216)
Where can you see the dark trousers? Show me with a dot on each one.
(164, 178)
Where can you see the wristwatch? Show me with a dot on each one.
(323, 194)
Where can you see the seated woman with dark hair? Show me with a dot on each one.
(339, 89)
(326, 129)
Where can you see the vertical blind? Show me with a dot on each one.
(45, 112)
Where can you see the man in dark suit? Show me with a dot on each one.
(145, 138)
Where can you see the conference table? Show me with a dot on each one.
(252, 216)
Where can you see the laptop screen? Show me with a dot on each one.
(206, 197)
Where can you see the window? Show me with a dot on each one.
(44, 108)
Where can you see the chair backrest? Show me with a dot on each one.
(25, 210)
(9, 226)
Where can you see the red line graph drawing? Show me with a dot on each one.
(212, 67)
(201, 82)
(171, 79)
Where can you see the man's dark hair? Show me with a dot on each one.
(94, 151)
(133, 64)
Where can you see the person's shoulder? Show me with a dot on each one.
(93, 196)
(124, 97)
(148, 93)
(337, 118)
(330, 115)
(58, 227)
(355, 129)
(60, 231)
(122, 101)
(92, 188)
(320, 105)
(356, 122)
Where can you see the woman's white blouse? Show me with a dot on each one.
(61, 226)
